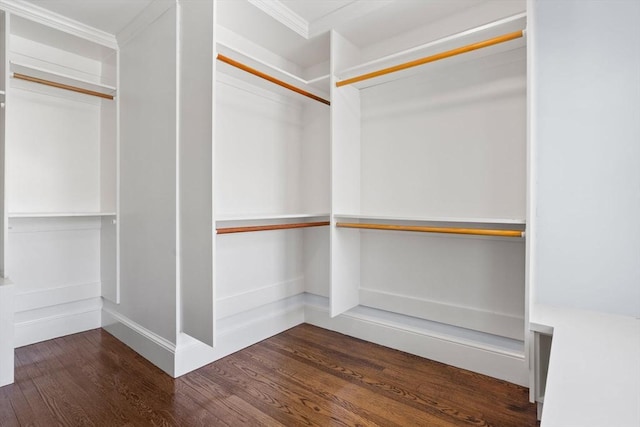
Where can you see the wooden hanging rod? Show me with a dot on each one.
(270, 78)
(438, 56)
(228, 230)
(424, 229)
(61, 86)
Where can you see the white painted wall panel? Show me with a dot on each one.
(478, 13)
(45, 253)
(55, 165)
(56, 265)
(586, 105)
(484, 273)
(148, 248)
(196, 174)
(453, 274)
(315, 164)
(447, 145)
(248, 261)
(258, 151)
(108, 259)
(345, 179)
(317, 260)
(108, 155)
(43, 53)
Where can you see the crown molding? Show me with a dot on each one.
(46, 17)
(278, 11)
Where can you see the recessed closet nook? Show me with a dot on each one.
(216, 172)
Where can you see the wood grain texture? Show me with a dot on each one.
(426, 229)
(304, 376)
(271, 79)
(228, 230)
(438, 56)
(61, 86)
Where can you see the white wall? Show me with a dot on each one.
(586, 149)
(195, 173)
(148, 206)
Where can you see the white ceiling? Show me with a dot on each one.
(303, 38)
(107, 15)
(312, 10)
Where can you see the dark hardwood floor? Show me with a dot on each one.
(304, 376)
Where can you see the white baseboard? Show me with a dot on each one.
(504, 364)
(149, 345)
(38, 325)
(491, 322)
(234, 333)
(255, 298)
(241, 331)
(40, 298)
(493, 358)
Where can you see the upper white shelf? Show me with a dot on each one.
(503, 27)
(318, 86)
(270, 217)
(433, 220)
(57, 214)
(64, 80)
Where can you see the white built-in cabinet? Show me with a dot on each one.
(60, 178)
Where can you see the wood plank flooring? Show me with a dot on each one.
(304, 376)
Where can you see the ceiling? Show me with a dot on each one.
(303, 39)
(312, 10)
(109, 16)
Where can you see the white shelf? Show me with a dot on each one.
(434, 220)
(270, 217)
(493, 29)
(60, 78)
(318, 86)
(57, 214)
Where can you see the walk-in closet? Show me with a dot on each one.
(196, 176)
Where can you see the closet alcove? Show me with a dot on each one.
(245, 178)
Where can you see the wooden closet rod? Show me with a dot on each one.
(61, 86)
(438, 56)
(424, 229)
(228, 230)
(270, 78)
